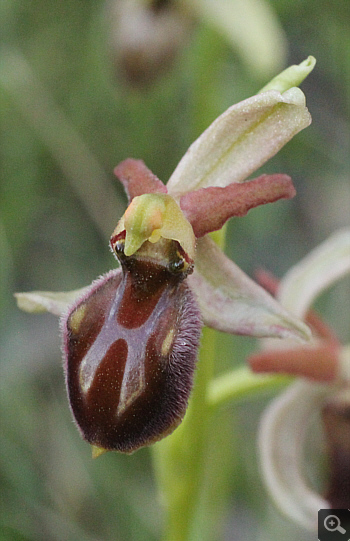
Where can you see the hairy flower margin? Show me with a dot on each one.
(167, 228)
(323, 390)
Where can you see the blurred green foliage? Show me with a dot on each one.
(67, 118)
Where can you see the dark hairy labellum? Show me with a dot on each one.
(130, 347)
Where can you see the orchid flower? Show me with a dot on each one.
(130, 340)
(323, 390)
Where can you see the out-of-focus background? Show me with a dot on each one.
(84, 85)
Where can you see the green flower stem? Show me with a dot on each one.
(239, 384)
(179, 459)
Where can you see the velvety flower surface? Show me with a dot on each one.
(322, 392)
(130, 340)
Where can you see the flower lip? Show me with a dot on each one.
(130, 350)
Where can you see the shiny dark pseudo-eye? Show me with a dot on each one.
(130, 346)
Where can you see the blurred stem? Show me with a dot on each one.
(240, 383)
(206, 66)
(81, 168)
(180, 458)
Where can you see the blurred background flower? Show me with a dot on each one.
(291, 469)
(67, 117)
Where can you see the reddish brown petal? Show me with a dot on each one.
(137, 179)
(318, 362)
(207, 209)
